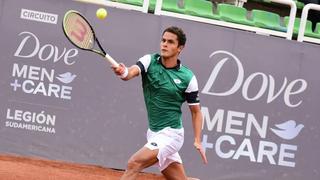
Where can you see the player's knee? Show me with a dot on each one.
(134, 165)
(175, 171)
(175, 177)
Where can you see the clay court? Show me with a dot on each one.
(25, 168)
(22, 168)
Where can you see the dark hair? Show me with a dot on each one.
(179, 32)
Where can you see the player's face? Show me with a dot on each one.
(169, 45)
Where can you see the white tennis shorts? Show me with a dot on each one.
(169, 141)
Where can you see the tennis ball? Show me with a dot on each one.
(101, 13)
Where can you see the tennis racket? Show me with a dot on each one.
(80, 33)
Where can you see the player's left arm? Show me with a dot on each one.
(197, 128)
(193, 101)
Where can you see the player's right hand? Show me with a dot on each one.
(119, 70)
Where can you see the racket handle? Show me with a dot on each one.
(111, 60)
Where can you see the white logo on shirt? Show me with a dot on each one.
(177, 81)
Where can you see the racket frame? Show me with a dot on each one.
(102, 52)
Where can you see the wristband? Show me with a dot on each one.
(125, 74)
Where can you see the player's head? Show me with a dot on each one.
(172, 42)
(181, 36)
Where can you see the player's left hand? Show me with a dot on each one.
(198, 146)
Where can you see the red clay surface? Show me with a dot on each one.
(22, 168)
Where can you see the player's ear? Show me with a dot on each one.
(180, 47)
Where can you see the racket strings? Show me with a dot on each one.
(79, 31)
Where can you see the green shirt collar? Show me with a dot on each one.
(177, 67)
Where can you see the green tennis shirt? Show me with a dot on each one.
(165, 90)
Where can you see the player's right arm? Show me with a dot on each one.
(128, 73)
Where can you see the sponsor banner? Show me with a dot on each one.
(258, 94)
(31, 121)
(39, 16)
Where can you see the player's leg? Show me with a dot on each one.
(138, 161)
(170, 163)
(174, 171)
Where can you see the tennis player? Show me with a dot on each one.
(166, 85)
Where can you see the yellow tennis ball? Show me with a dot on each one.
(101, 13)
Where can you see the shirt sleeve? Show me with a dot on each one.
(192, 92)
(143, 63)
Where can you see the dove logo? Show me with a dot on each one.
(244, 84)
(31, 47)
(66, 77)
(287, 130)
